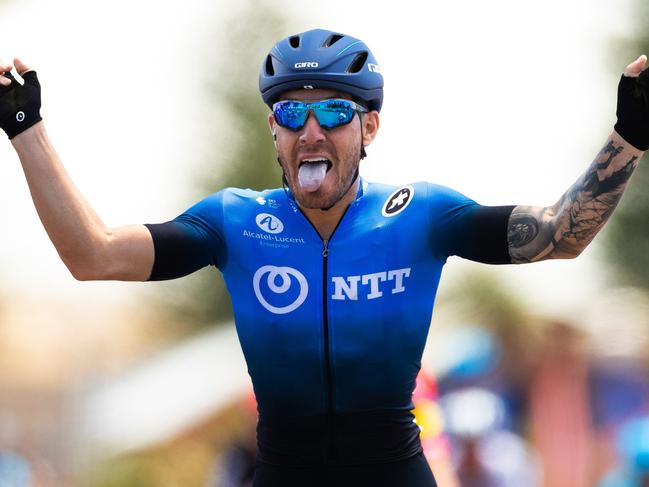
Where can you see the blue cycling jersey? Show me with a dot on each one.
(332, 331)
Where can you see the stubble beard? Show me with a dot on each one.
(316, 199)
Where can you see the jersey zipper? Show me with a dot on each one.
(327, 358)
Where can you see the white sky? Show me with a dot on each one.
(505, 101)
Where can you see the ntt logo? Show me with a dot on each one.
(287, 277)
(307, 64)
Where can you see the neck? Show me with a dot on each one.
(325, 222)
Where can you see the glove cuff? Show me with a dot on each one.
(21, 122)
(633, 111)
(638, 140)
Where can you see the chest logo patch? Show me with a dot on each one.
(270, 279)
(269, 223)
(398, 201)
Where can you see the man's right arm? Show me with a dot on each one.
(89, 249)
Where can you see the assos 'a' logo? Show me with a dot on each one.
(269, 223)
(398, 201)
(286, 277)
(307, 64)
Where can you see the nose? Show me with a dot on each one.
(312, 132)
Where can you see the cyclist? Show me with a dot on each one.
(332, 278)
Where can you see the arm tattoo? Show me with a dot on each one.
(565, 229)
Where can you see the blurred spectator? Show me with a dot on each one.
(429, 417)
(481, 383)
(487, 455)
(236, 467)
(560, 411)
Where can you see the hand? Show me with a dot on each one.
(19, 104)
(634, 69)
(633, 104)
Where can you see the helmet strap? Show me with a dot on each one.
(363, 153)
(284, 180)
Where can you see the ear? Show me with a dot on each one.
(370, 123)
(273, 129)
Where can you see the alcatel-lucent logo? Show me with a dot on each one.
(282, 289)
(272, 227)
(269, 223)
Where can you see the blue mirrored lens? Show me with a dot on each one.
(333, 113)
(329, 113)
(290, 114)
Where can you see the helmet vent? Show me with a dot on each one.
(332, 39)
(294, 41)
(358, 62)
(270, 71)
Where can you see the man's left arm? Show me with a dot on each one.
(565, 229)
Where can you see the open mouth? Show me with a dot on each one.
(316, 162)
(312, 171)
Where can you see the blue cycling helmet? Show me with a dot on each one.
(322, 59)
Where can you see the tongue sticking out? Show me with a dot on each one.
(311, 175)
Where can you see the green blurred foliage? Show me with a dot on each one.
(481, 297)
(191, 459)
(626, 240)
(246, 153)
(171, 467)
(241, 154)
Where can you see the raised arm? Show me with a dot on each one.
(565, 229)
(89, 249)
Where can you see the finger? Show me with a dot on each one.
(7, 79)
(634, 69)
(5, 69)
(21, 67)
(4, 66)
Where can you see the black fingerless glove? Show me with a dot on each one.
(633, 110)
(20, 104)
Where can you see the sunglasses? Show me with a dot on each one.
(332, 113)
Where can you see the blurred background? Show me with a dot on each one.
(532, 376)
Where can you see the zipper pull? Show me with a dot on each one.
(325, 251)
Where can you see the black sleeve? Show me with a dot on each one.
(179, 250)
(479, 233)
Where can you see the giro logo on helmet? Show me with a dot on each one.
(284, 274)
(307, 64)
(374, 68)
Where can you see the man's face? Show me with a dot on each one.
(340, 146)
